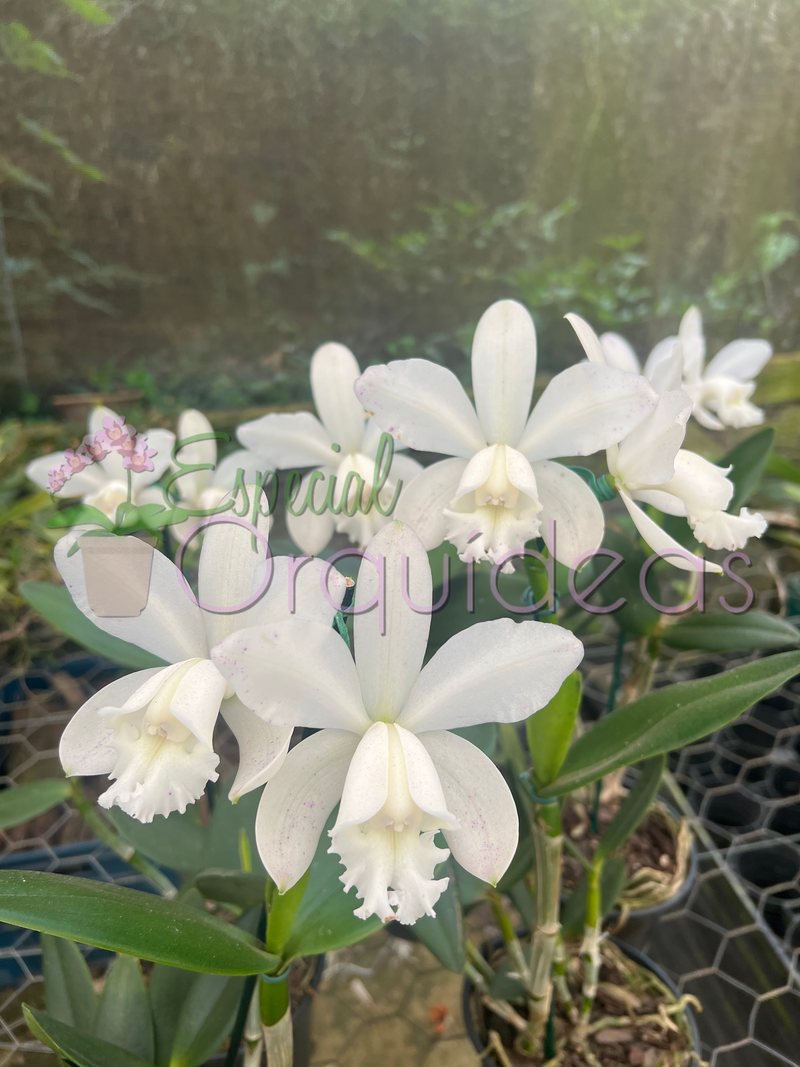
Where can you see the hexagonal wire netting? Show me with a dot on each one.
(734, 940)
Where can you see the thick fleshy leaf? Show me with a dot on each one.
(550, 730)
(169, 626)
(633, 808)
(661, 542)
(324, 920)
(124, 1018)
(296, 803)
(334, 370)
(570, 510)
(391, 637)
(294, 673)
(262, 748)
(206, 1018)
(719, 631)
(585, 408)
(748, 459)
(421, 503)
(498, 671)
(86, 745)
(26, 801)
(129, 921)
(69, 992)
(647, 455)
(476, 793)
(668, 719)
(290, 440)
(742, 360)
(241, 888)
(75, 1046)
(503, 370)
(178, 841)
(423, 406)
(54, 603)
(619, 353)
(443, 933)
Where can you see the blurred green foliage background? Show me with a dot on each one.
(198, 192)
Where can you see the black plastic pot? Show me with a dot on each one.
(468, 1003)
(301, 1027)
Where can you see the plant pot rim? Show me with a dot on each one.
(467, 990)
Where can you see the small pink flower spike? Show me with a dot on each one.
(76, 461)
(57, 478)
(140, 458)
(96, 445)
(119, 435)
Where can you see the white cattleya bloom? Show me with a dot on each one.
(385, 752)
(342, 446)
(720, 391)
(152, 732)
(650, 466)
(104, 484)
(502, 487)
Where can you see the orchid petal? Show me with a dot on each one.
(721, 530)
(163, 441)
(701, 485)
(667, 374)
(647, 455)
(309, 531)
(476, 793)
(297, 801)
(742, 360)
(423, 781)
(422, 405)
(334, 370)
(388, 663)
(421, 504)
(658, 354)
(571, 510)
(585, 408)
(86, 745)
(589, 340)
(290, 440)
(262, 748)
(169, 626)
(690, 333)
(666, 502)
(366, 786)
(294, 673)
(192, 423)
(619, 353)
(503, 370)
(252, 466)
(90, 480)
(197, 699)
(304, 599)
(498, 671)
(664, 545)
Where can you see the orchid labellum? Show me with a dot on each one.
(385, 751)
(721, 390)
(102, 482)
(650, 466)
(502, 488)
(152, 732)
(341, 445)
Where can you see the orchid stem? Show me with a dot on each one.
(109, 837)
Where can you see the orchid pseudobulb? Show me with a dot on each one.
(649, 466)
(384, 750)
(152, 731)
(502, 488)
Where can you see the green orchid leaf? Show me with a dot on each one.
(748, 459)
(484, 736)
(443, 933)
(90, 11)
(129, 921)
(69, 992)
(550, 730)
(719, 631)
(75, 1047)
(206, 1018)
(668, 719)
(168, 989)
(54, 604)
(779, 467)
(325, 920)
(241, 888)
(636, 615)
(124, 1017)
(633, 808)
(177, 841)
(79, 515)
(612, 881)
(26, 801)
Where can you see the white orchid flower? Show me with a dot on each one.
(384, 751)
(650, 466)
(339, 443)
(502, 487)
(152, 731)
(720, 391)
(104, 484)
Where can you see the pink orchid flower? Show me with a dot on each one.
(139, 458)
(119, 435)
(76, 461)
(96, 445)
(57, 478)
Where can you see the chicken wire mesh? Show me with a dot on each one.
(733, 941)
